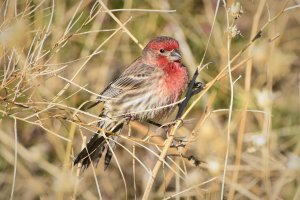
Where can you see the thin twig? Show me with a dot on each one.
(231, 101)
(121, 24)
(15, 160)
(157, 166)
(191, 188)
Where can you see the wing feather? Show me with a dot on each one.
(132, 78)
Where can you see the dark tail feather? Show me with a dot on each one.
(94, 149)
(109, 154)
(108, 157)
(92, 152)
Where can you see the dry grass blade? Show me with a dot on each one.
(56, 56)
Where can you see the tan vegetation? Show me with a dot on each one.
(244, 126)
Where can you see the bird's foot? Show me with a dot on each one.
(129, 117)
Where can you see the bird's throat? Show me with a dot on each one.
(175, 78)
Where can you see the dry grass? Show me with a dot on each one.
(244, 125)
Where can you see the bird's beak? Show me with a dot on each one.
(174, 56)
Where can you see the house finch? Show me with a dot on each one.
(143, 92)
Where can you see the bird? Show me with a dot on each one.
(146, 90)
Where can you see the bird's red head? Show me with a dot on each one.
(162, 51)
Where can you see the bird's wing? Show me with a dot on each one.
(132, 78)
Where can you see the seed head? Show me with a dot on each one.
(236, 10)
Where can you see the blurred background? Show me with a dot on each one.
(56, 55)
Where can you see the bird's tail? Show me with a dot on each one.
(97, 145)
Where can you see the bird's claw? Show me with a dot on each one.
(129, 117)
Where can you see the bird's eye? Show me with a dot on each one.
(162, 51)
